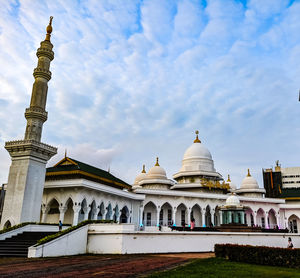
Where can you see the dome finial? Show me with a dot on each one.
(228, 180)
(144, 171)
(197, 139)
(248, 175)
(49, 29)
(156, 164)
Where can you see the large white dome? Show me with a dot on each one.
(249, 182)
(197, 150)
(197, 158)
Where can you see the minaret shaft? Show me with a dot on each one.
(36, 114)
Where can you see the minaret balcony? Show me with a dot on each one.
(39, 72)
(45, 52)
(37, 113)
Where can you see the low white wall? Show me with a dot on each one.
(31, 228)
(72, 243)
(178, 242)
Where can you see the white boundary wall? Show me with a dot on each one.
(72, 243)
(130, 242)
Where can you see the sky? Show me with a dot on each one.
(133, 80)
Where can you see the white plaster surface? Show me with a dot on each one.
(72, 243)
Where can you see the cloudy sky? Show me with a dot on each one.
(132, 80)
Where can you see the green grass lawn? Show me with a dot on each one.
(217, 267)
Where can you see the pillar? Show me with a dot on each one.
(157, 216)
(266, 220)
(189, 217)
(213, 217)
(229, 217)
(254, 218)
(45, 210)
(174, 216)
(62, 210)
(221, 217)
(95, 213)
(76, 209)
(203, 218)
(141, 216)
(243, 217)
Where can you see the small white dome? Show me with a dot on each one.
(157, 172)
(249, 182)
(232, 201)
(141, 176)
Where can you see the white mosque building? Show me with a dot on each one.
(75, 191)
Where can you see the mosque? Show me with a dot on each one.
(73, 191)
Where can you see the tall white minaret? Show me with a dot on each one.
(29, 156)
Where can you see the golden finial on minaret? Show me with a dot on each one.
(156, 164)
(248, 175)
(49, 29)
(197, 139)
(228, 180)
(144, 171)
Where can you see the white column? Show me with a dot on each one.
(242, 217)
(221, 217)
(213, 217)
(45, 210)
(62, 211)
(95, 213)
(229, 217)
(189, 217)
(141, 216)
(203, 218)
(157, 215)
(266, 220)
(86, 213)
(254, 218)
(76, 209)
(174, 215)
(278, 220)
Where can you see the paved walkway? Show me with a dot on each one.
(118, 266)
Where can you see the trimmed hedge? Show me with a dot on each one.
(24, 224)
(66, 231)
(262, 255)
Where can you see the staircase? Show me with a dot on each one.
(17, 246)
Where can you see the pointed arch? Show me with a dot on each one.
(196, 214)
(69, 214)
(182, 215)
(124, 215)
(165, 214)
(149, 215)
(294, 223)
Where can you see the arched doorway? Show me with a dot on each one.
(7, 225)
(182, 215)
(294, 223)
(260, 218)
(149, 216)
(197, 215)
(272, 222)
(92, 210)
(101, 212)
(82, 211)
(109, 212)
(69, 214)
(124, 215)
(165, 215)
(53, 213)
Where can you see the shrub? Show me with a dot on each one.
(259, 255)
(73, 228)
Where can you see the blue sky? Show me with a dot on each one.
(132, 80)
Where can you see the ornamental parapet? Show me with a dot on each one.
(34, 148)
(39, 72)
(45, 52)
(36, 112)
(214, 184)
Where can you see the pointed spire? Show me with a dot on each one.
(49, 30)
(156, 164)
(248, 175)
(65, 153)
(228, 180)
(197, 139)
(144, 171)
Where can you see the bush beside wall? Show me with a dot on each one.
(259, 255)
